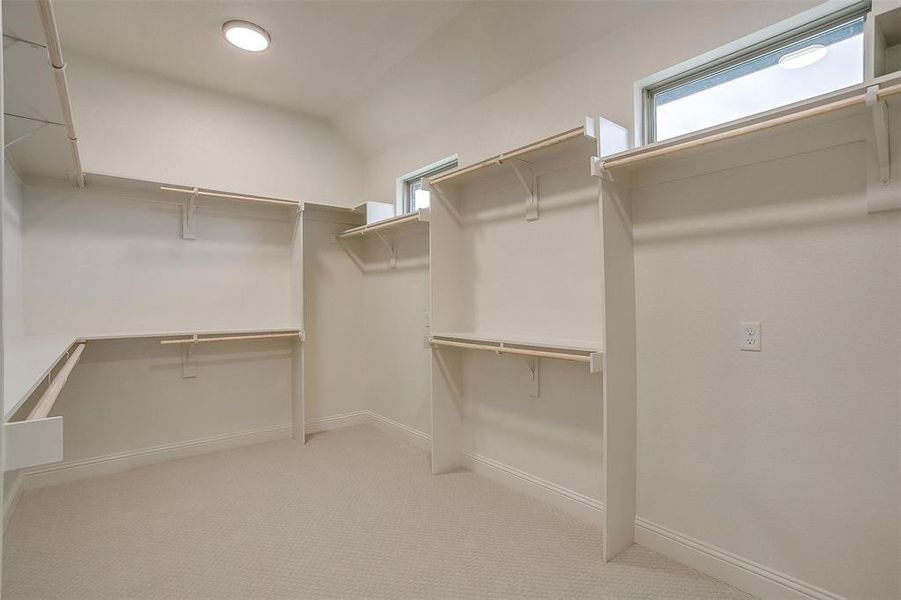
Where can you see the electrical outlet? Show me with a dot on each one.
(750, 336)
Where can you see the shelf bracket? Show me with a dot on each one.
(188, 364)
(880, 125)
(188, 221)
(529, 183)
(535, 389)
(392, 250)
(350, 252)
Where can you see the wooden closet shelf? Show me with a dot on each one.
(420, 216)
(574, 351)
(657, 150)
(531, 152)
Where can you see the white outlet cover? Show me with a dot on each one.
(749, 339)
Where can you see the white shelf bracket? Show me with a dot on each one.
(529, 183)
(188, 222)
(535, 389)
(596, 362)
(392, 250)
(188, 364)
(881, 137)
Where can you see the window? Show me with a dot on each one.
(818, 60)
(410, 195)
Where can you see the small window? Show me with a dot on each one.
(817, 61)
(411, 196)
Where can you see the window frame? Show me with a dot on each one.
(404, 203)
(748, 51)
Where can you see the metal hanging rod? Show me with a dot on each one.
(501, 349)
(58, 67)
(231, 338)
(500, 158)
(240, 197)
(45, 404)
(387, 223)
(35, 119)
(24, 41)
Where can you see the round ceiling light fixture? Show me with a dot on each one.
(803, 57)
(246, 35)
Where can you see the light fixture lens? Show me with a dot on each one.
(803, 57)
(246, 35)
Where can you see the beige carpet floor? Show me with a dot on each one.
(354, 514)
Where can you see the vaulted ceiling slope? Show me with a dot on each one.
(387, 67)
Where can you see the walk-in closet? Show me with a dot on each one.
(451, 299)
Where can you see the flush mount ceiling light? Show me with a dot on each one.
(246, 35)
(803, 57)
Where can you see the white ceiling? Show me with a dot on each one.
(378, 64)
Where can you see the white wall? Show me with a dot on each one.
(797, 469)
(127, 395)
(597, 80)
(396, 312)
(13, 194)
(141, 126)
(786, 457)
(336, 360)
(110, 260)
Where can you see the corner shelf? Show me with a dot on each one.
(415, 220)
(420, 216)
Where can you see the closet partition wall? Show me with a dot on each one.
(531, 260)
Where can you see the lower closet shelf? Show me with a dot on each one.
(557, 349)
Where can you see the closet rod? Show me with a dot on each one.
(506, 350)
(240, 197)
(500, 158)
(364, 229)
(641, 155)
(230, 338)
(58, 65)
(45, 404)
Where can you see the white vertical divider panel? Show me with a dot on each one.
(297, 346)
(445, 288)
(620, 410)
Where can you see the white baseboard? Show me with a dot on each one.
(67, 471)
(742, 573)
(11, 496)
(414, 436)
(336, 421)
(563, 498)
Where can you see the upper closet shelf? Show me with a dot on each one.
(559, 349)
(196, 192)
(40, 132)
(412, 219)
(860, 96)
(580, 137)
